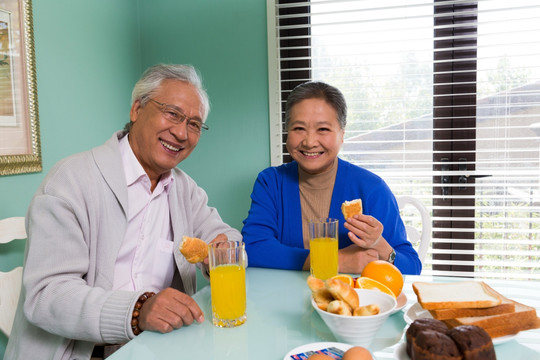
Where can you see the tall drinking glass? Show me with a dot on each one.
(323, 248)
(227, 262)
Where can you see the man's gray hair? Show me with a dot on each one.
(152, 78)
(318, 90)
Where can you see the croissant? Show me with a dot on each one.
(339, 307)
(342, 291)
(322, 298)
(315, 283)
(366, 310)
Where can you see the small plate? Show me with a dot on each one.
(416, 312)
(400, 352)
(401, 302)
(316, 346)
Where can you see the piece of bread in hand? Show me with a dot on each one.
(462, 294)
(351, 208)
(343, 291)
(194, 249)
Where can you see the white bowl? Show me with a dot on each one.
(359, 330)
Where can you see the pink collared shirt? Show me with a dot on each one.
(145, 260)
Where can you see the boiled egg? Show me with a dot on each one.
(357, 353)
(320, 357)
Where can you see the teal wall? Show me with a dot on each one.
(89, 55)
(226, 41)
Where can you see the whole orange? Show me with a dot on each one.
(386, 273)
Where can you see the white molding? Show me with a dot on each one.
(274, 98)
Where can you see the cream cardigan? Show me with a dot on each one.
(76, 222)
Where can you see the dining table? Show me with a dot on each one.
(280, 319)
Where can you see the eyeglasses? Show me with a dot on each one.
(176, 116)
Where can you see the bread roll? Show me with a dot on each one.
(367, 310)
(322, 298)
(194, 250)
(342, 291)
(351, 208)
(339, 307)
(315, 283)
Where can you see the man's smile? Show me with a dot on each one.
(169, 146)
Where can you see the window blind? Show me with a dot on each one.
(444, 104)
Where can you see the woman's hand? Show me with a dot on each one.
(364, 230)
(353, 259)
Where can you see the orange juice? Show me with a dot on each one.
(324, 257)
(228, 291)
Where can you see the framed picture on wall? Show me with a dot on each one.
(20, 146)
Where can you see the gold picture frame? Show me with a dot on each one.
(20, 145)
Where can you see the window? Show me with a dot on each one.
(444, 104)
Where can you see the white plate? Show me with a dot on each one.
(503, 339)
(416, 312)
(400, 352)
(401, 302)
(316, 346)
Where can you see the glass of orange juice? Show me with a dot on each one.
(227, 262)
(323, 248)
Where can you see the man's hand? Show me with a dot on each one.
(168, 310)
(218, 238)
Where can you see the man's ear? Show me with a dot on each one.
(135, 109)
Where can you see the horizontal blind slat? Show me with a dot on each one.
(410, 106)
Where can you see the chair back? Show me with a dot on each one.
(10, 282)
(421, 240)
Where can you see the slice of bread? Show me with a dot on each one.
(523, 318)
(506, 306)
(351, 208)
(456, 295)
(194, 249)
(512, 329)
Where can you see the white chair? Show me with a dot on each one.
(10, 282)
(420, 240)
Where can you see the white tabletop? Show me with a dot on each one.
(280, 318)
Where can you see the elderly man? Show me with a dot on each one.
(105, 226)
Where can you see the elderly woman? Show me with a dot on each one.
(314, 186)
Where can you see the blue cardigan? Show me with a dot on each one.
(273, 229)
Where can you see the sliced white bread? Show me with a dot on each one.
(523, 318)
(506, 306)
(462, 294)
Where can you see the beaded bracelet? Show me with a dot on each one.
(137, 311)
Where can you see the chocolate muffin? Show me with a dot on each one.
(473, 342)
(431, 344)
(419, 325)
